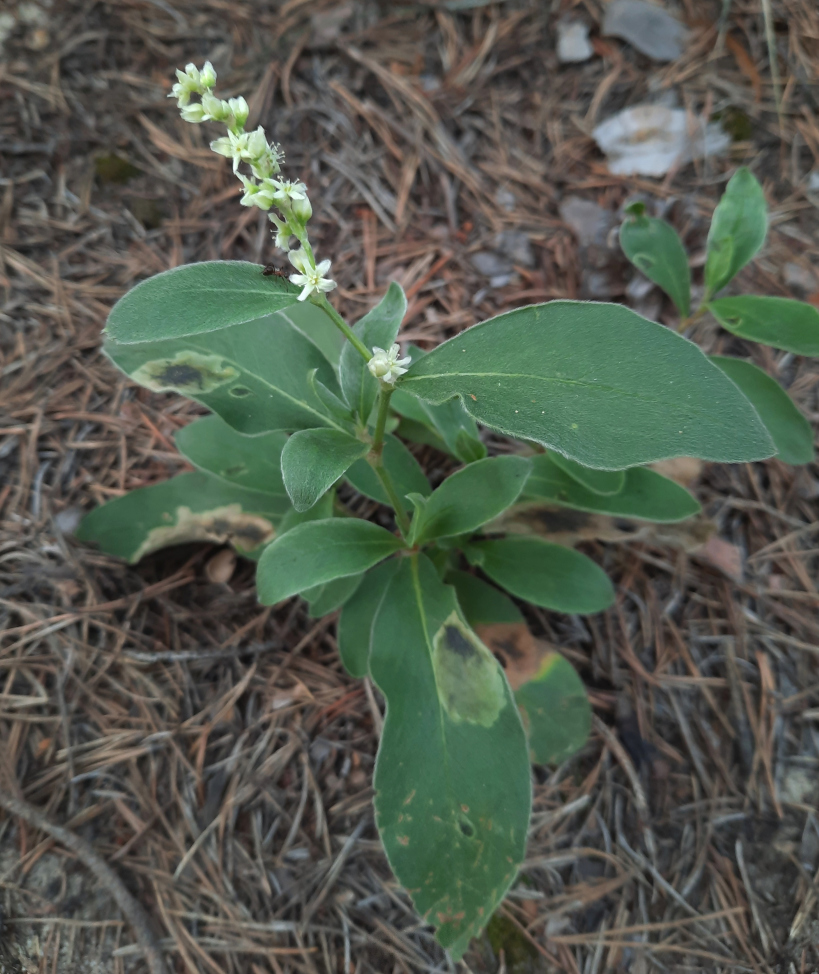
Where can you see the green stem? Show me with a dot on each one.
(376, 459)
(344, 328)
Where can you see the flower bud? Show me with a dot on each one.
(207, 76)
(302, 210)
(240, 110)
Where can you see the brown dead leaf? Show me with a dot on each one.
(724, 556)
(683, 470)
(519, 653)
(745, 64)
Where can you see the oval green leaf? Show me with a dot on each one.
(654, 248)
(645, 495)
(189, 507)
(252, 462)
(595, 382)
(354, 635)
(556, 711)
(544, 574)
(604, 482)
(195, 299)
(791, 432)
(403, 468)
(253, 374)
(377, 329)
(778, 322)
(738, 230)
(470, 497)
(452, 779)
(482, 603)
(319, 551)
(313, 460)
(324, 599)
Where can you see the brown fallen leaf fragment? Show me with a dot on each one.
(563, 525)
(723, 556)
(221, 567)
(683, 470)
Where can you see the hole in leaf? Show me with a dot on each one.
(239, 392)
(466, 827)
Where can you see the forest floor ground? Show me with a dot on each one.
(214, 751)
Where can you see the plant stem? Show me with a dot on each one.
(344, 328)
(376, 459)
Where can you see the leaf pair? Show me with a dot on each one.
(738, 230)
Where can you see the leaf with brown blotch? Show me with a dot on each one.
(517, 650)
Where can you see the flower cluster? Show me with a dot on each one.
(387, 366)
(262, 187)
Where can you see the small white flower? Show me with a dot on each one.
(193, 113)
(387, 366)
(216, 110)
(313, 278)
(256, 194)
(288, 190)
(283, 232)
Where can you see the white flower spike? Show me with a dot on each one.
(387, 366)
(312, 279)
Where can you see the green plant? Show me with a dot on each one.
(588, 394)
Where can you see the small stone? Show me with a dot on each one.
(68, 521)
(797, 276)
(573, 44)
(505, 199)
(589, 222)
(490, 264)
(639, 288)
(515, 245)
(813, 181)
(647, 27)
(649, 140)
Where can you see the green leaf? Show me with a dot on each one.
(604, 482)
(645, 495)
(544, 574)
(334, 406)
(357, 616)
(324, 599)
(556, 710)
(595, 382)
(377, 329)
(779, 322)
(482, 603)
(790, 431)
(252, 462)
(654, 248)
(313, 460)
(470, 497)
(253, 374)
(318, 552)
(320, 511)
(447, 426)
(738, 230)
(189, 507)
(403, 468)
(195, 299)
(452, 779)
(318, 326)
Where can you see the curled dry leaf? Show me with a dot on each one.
(221, 567)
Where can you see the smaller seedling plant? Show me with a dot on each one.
(587, 396)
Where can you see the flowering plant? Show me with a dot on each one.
(587, 395)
